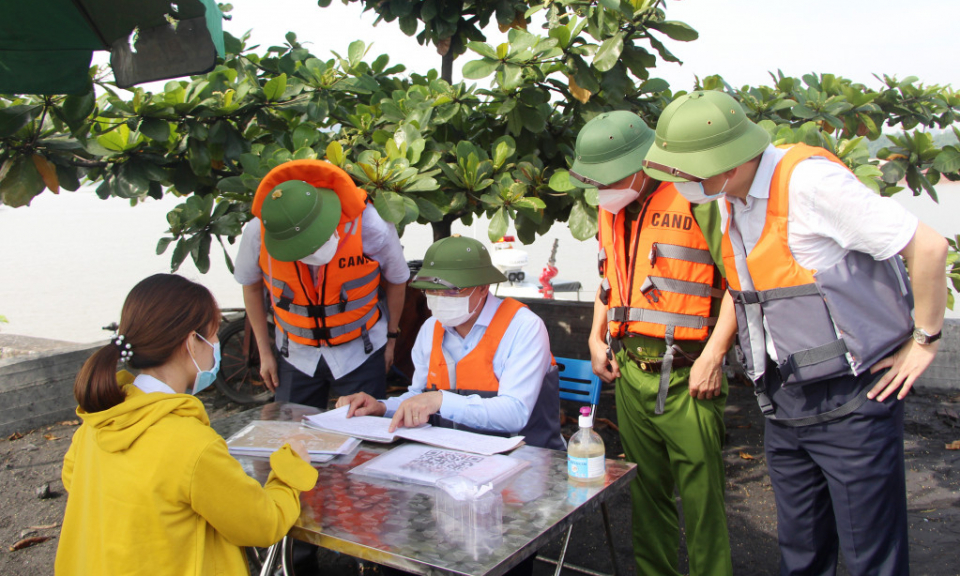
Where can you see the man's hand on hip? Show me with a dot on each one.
(906, 365)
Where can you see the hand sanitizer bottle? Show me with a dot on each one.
(586, 462)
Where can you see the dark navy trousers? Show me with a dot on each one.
(841, 485)
(314, 390)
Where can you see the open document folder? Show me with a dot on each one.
(262, 438)
(375, 429)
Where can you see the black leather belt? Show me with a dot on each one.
(654, 366)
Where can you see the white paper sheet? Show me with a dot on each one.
(372, 428)
(419, 464)
(461, 440)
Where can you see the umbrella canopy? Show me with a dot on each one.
(46, 45)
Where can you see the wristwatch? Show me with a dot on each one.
(924, 338)
(393, 334)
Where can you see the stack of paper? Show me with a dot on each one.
(425, 465)
(262, 438)
(374, 429)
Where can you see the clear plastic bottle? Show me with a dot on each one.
(586, 454)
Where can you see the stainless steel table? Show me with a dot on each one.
(394, 524)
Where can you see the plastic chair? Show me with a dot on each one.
(578, 383)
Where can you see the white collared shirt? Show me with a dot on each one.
(520, 364)
(830, 213)
(149, 384)
(380, 242)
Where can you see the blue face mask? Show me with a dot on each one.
(206, 377)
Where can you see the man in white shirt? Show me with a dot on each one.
(823, 308)
(480, 363)
(318, 248)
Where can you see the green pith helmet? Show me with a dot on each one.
(609, 148)
(456, 262)
(703, 134)
(298, 219)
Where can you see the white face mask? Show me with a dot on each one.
(451, 311)
(615, 199)
(325, 253)
(695, 194)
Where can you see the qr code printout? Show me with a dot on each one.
(442, 463)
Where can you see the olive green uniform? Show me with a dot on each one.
(679, 449)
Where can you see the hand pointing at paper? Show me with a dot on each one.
(416, 410)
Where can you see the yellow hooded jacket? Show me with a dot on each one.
(153, 491)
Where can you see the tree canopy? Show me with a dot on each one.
(429, 150)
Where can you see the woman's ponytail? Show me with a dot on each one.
(96, 386)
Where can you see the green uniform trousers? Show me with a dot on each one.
(681, 447)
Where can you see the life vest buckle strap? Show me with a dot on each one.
(746, 297)
(367, 344)
(678, 287)
(624, 314)
(811, 356)
(677, 252)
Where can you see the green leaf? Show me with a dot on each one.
(155, 129)
(233, 184)
(304, 135)
(948, 160)
(894, 171)
(503, 148)
(428, 210)
(655, 85)
(609, 53)
(21, 181)
(483, 49)
(76, 108)
(356, 51)
(675, 30)
(335, 153)
(560, 181)
(117, 140)
(390, 206)
(273, 90)
(13, 118)
(199, 156)
(162, 245)
(498, 225)
(510, 76)
(583, 221)
(478, 69)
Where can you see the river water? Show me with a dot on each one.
(68, 261)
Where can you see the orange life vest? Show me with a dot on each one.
(340, 302)
(665, 278)
(473, 374)
(771, 262)
(477, 366)
(822, 323)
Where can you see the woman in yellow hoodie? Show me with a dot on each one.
(152, 488)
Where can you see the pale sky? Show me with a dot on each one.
(740, 39)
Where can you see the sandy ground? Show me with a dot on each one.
(933, 476)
